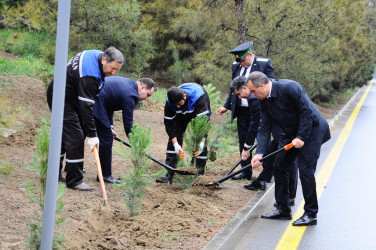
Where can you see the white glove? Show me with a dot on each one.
(202, 144)
(93, 141)
(177, 147)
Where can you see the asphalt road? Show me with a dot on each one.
(346, 177)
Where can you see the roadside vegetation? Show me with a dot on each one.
(37, 191)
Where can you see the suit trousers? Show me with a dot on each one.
(243, 119)
(106, 139)
(267, 171)
(282, 165)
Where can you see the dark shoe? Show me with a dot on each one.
(292, 202)
(277, 215)
(164, 178)
(241, 176)
(305, 220)
(109, 179)
(256, 185)
(83, 187)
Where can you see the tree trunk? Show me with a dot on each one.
(239, 5)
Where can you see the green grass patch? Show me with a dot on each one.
(160, 95)
(6, 167)
(26, 66)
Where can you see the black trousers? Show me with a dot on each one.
(243, 119)
(172, 158)
(105, 145)
(267, 171)
(282, 165)
(73, 147)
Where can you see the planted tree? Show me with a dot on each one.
(134, 184)
(37, 191)
(197, 129)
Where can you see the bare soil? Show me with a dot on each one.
(172, 217)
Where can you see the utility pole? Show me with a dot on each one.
(61, 54)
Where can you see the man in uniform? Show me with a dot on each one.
(286, 103)
(183, 103)
(85, 78)
(245, 63)
(119, 93)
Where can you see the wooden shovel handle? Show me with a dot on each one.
(100, 177)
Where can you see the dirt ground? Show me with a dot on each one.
(172, 217)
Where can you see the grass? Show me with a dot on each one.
(35, 53)
(159, 95)
(6, 167)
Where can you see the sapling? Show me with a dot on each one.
(197, 129)
(133, 185)
(37, 192)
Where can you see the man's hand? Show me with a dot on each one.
(114, 132)
(297, 143)
(93, 141)
(246, 154)
(197, 153)
(221, 111)
(255, 161)
(178, 150)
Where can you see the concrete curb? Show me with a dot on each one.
(232, 233)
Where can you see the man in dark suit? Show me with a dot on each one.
(286, 103)
(245, 63)
(118, 93)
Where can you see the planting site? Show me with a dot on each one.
(171, 217)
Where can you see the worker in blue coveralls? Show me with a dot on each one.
(123, 94)
(245, 63)
(85, 78)
(183, 104)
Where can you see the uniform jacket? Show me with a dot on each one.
(197, 104)
(118, 93)
(85, 78)
(290, 107)
(263, 65)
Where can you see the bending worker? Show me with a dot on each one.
(85, 78)
(119, 93)
(183, 103)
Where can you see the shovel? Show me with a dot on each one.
(238, 162)
(100, 177)
(286, 147)
(178, 171)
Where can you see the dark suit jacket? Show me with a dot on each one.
(118, 93)
(254, 109)
(263, 65)
(290, 107)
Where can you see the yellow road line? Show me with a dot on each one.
(293, 235)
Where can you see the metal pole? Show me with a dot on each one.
(61, 55)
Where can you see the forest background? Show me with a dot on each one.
(326, 45)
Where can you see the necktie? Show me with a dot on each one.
(244, 72)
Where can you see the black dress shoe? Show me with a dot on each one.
(109, 179)
(241, 176)
(277, 215)
(292, 202)
(256, 185)
(305, 220)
